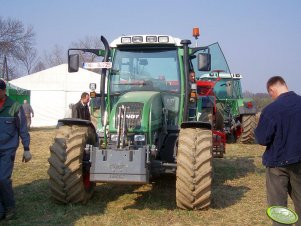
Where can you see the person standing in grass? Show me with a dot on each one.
(28, 113)
(279, 129)
(12, 126)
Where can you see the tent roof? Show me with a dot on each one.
(57, 79)
(12, 89)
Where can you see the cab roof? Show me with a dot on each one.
(146, 40)
(221, 75)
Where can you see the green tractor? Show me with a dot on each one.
(148, 122)
(237, 113)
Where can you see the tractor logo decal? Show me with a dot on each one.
(131, 116)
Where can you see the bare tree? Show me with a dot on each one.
(28, 57)
(56, 57)
(261, 99)
(88, 42)
(38, 67)
(14, 39)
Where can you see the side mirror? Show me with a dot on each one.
(204, 62)
(73, 63)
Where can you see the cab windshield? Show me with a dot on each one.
(145, 70)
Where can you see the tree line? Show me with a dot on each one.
(261, 99)
(19, 56)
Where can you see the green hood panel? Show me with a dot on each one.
(144, 111)
(140, 96)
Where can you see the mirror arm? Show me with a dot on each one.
(97, 52)
(194, 50)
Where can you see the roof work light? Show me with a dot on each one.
(196, 32)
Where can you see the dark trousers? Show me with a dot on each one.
(284, 181)
(7, 201)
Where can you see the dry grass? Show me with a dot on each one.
(238, 194)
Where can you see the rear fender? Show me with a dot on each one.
(246, 106)
(196, 124)
(74, 121)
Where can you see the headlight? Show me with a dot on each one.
(114, 137)
(139, 138)
(126, 40)
(151, 38)
(163, 39)
(137, 39)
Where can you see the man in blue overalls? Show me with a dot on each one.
(12, 126)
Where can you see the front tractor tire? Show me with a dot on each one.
(248, 127)
(69, 177)
(194, 169)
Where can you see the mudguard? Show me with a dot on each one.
(246, 106)
(196, 124)
(75, 121)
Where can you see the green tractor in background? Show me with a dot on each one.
(238, 114)
(148, 123)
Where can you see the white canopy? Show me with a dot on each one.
(52, 91)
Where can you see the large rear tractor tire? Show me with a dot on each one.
(194, 169)
(248, 127)
(69, 174)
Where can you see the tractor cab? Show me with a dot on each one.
(226, 85)
(146, 70)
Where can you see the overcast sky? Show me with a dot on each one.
(260, 38)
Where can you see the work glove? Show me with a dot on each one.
(26, 156)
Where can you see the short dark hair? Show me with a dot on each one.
(274, 80)
(84, 94)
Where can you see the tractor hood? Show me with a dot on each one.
(143, 111)
(138, 96)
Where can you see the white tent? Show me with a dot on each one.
(52, 91)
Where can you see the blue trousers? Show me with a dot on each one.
(284, 181)
(7, 201)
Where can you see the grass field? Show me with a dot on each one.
(238, 194)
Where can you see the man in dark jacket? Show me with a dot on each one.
(81, 109)
(12, 126)
(279, 129)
